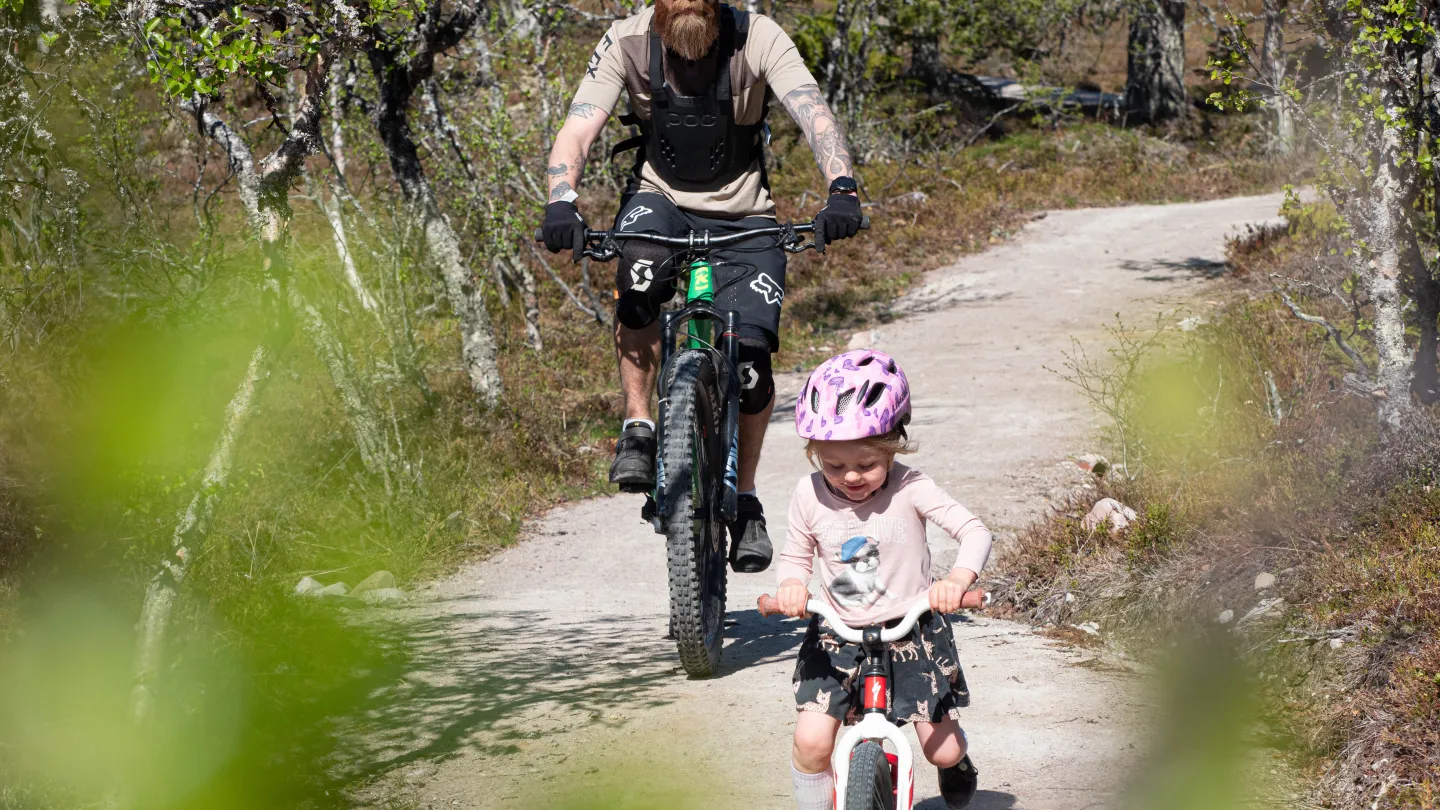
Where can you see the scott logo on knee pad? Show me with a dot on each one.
(767, 287)
(749, 377)
(642, 272)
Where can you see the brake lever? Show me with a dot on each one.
(606, 250)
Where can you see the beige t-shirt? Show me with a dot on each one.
(622, 62)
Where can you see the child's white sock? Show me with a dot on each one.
(813, 791)
(628, 422)
(750, 492)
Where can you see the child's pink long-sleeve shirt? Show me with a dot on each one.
(873, 554)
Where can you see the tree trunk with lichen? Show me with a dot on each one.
(263, 190)
(1272, 64)
(1380, 216)
(398, 80)
(1155, 71)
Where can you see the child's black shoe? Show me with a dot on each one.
(958, 783)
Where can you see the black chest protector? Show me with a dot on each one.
(695, 139)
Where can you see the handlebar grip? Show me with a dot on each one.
(972, 600)
(865, 223)
(540, 235)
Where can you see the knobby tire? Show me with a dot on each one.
(869, 786)
(695, 538)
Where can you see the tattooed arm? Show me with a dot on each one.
(572, 147)
(810, 111)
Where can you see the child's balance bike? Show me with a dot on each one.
(867, 777)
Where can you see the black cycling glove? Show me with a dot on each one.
(564, 228)
(839, 219)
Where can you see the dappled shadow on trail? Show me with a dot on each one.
(1173, 270)
(488, 681)
(758, 640)
(984, 800)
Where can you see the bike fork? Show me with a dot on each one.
(875, 725)
(730, 343)
(660, 510)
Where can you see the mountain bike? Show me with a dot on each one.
(867, 777)
(697, 430)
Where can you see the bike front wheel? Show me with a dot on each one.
(691, 456)
(869, 786)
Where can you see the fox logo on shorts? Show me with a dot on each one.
(767, 287)
(634, 216)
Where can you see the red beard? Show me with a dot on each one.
(687, 27)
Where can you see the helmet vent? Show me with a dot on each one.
(844, 402)
(814, 399)
(872, 396)
(867, 361)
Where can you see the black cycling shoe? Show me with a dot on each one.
(750, 548)
(958, 783)
(634, 465)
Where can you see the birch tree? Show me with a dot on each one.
(402, 60)
(193, 49)
(1272, 61)
(1376, 153)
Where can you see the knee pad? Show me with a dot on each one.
(635, 310)
(643, 283)
(757, 380)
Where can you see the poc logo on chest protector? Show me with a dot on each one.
(678, 120)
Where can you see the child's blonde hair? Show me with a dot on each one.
(894, 443)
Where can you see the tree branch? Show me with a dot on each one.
(1361, 368)
(569, 293)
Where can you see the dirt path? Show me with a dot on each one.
(544, 670)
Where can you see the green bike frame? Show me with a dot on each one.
(701, 288)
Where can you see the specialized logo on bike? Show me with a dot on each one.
(634, 216)
(642, 272)
(767, 287)
(875, 692)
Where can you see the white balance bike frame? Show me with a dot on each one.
(875, 725)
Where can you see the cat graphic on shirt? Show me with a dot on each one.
(859, 585)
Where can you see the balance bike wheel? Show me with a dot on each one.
(869, 786)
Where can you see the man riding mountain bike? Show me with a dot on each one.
(698, 75)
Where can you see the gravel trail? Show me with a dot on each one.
(544, 670)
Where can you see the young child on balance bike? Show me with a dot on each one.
(864, 516)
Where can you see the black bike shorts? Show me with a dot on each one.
(927, 684)
(749, 275)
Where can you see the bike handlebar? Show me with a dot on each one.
(697, 239)
(769, 606)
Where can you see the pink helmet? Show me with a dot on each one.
(852, 396)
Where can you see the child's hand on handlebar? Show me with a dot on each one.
(947, 594)
(793, 596)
